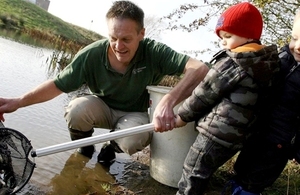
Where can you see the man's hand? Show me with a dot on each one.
(8, 106)
(163, 116)
(41, 93)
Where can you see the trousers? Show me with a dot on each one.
(203, 159)
(260, 163)
(85, 112)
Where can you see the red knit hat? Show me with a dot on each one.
(242, 19)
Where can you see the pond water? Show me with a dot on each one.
(23, 67)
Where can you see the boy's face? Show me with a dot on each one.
(295, 40)
(231, 41)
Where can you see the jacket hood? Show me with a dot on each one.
(261, 65)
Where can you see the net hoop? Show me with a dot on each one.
(14, 160)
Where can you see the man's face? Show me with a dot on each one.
(124, 38)
(295, 40)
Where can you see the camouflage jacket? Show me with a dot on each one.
(224, 104)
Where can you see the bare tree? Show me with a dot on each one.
(154, 26)
(192, 17)
(277, 15)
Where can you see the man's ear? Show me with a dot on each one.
(142, 33)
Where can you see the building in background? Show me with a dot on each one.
(41, 3)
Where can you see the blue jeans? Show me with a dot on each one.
(203, 159)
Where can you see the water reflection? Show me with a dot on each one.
(81, 176)
(22, 68)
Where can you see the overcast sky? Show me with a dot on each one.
(90, 14)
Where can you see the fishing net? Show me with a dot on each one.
(15, 166)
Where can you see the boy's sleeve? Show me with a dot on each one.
(208, 93)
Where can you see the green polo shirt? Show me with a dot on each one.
(126, 92)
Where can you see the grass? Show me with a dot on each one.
(19, 14)
(288, 182)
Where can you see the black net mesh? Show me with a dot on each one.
(15, 166)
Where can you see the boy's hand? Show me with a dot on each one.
(1, 117)
(179, 122)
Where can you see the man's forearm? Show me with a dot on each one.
(191, 78)
(44, 92)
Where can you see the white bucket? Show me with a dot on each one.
(168, 149)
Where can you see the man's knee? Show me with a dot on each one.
(76, 109)
(84, 112)
(135, 143)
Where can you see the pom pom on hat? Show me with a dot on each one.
(242, 19)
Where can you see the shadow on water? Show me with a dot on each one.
(81, 175)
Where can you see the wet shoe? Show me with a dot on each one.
(107, 155)
(87, 151)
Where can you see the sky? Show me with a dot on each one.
(90, 14)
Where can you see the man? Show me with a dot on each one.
(117, 71)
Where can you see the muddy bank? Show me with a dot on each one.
(136, 177)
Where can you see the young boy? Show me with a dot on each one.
(225, 103)
(265, 156)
